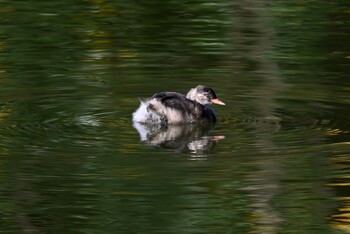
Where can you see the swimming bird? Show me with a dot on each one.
(175, 108)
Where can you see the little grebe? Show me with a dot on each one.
(175, 108)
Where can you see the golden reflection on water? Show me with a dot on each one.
(333, 132)
(58, 143)
(341, 220)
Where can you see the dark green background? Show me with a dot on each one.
(71, 73)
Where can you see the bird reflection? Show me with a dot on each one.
(179, 138)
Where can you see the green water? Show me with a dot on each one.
(277, 160)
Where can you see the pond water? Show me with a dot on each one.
(72, 161)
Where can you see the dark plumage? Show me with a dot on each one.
(175, 108)
(186, 106)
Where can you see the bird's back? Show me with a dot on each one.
(179, 109)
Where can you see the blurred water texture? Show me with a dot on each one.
(277, 161)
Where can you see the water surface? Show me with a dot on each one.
(71, 160)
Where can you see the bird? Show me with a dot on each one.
(166, 108)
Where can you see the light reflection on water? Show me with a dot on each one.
(276, 161)
(179, 138)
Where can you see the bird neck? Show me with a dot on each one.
(191, 94)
